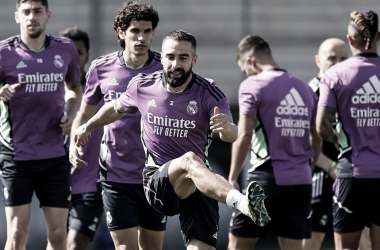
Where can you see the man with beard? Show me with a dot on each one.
(180, 111)
(130, 219)
(34, 67)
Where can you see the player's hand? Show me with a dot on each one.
(81, 136)
(66, 123)
(219, 122)
(7, 91)
(74, 159)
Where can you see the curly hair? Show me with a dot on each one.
(367, 24)
(134, 11)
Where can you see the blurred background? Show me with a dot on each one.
(293, 28)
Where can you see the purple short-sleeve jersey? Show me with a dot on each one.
(352, 87)
(285, 107)
(122, 157)
(85, 180)
(174, 123)
(30, 120)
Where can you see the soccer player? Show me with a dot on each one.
(331, 51)
(130, 219)
(34, 67)
(351, 89)
(86, 200)
(180, 110)
(277, 119)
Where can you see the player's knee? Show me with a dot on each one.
(57, 236)
(190, 160)
(19, 234)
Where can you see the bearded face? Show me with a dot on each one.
(175, 82)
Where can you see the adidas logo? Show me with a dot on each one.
(215, 235)
(152, 103)
(164, 220)
(113, 82)
(292, 104)
(21, 64)
(368, 93)
(92, 227)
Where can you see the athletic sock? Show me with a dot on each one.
(238, 200)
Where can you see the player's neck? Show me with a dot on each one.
(269, 66)
(134, 61)
(36, 44)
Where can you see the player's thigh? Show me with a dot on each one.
(125, 238)
(18, 218)
(150, 239)
(236, 242)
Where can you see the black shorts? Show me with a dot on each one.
(356, 204)
(49, 178)
(321, 203)
(85, 213)
(198, 214)
(288, 206)
(126, 207)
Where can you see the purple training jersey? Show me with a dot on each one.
(352, 87)
(285, 107)
(174, 123)
(122, 157)
(85, 180)
(30, 120)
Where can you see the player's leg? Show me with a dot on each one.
(365, 240)
(290, 244)
(375, 236)
(84, 218)
(53, 189)
(150, 239)
(315, 242)
(152, 224)
(236, 242)
(125, 238)
(18, 218)
(18, 191)
(188, 173)
(347, 241)
(195, 244)
(56, 222)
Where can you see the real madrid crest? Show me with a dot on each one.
(192, 108)
(58, 62)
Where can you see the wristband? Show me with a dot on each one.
(333, 165)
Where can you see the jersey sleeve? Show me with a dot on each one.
(314, 110)
(128, 100)
(219, 99)
(73, 72)
(248, 99)
(327, 96)
(93, 93)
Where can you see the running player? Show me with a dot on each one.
(277, 119)
(331, 51)
(351, 89)
(180, 110)
(86, 200)
(34, 67)
(130, 219)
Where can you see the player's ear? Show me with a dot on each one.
(317, 60)
(120, 33)
(350, 39)
(194, 62)
(16, 17)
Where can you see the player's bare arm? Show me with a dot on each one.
(73, 98)
(223, 124)
(325, 118)
(84, 114)
(241, 147)
(108, 113)
(7, 91)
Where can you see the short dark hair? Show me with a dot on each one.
(76, 34)
(182, 35)
(256, 45)
(366, 25)
(43, 2)
(134, 11)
